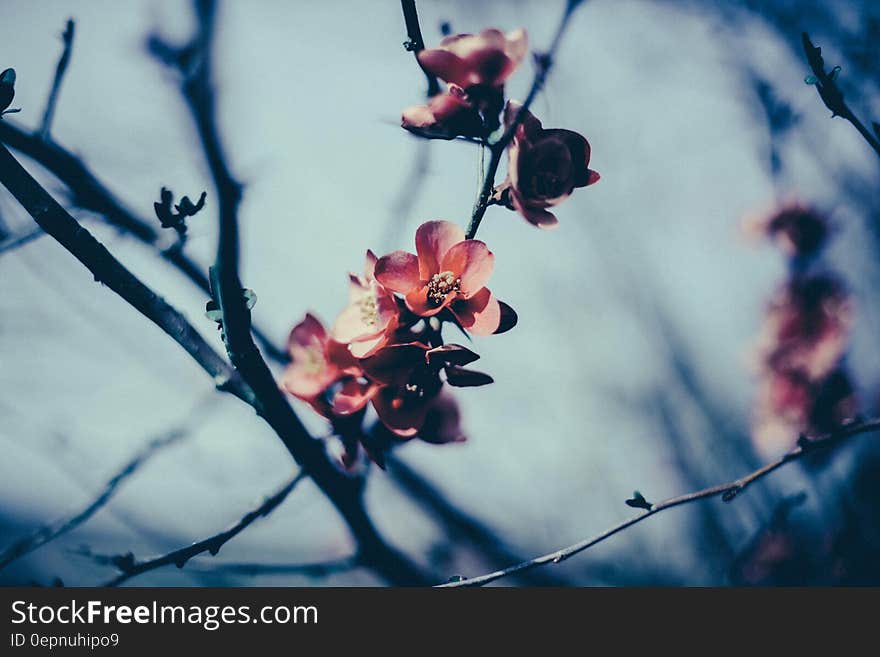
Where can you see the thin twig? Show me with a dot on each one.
(194, 62)
(543, 64)
(53, 530)
(460, 525)
(60, 70)
(107, 270)
(129, 567)
(416, 43)
(831, 94)
(727, 492)
(314, 569)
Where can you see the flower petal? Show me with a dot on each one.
(352, 396)
(480, 315)
(472, 261)
(394, 365)
(310, 331)
(536, 216)
(445, 65)
(398, 271)
(433, 240)
(403, 416)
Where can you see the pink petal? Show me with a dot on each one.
(417, 116)
(370, 266)
(395, 364)
(480, 315)
(308, 332)
(539, 217)
(593, 177)
(403, 418)
(517, 45)
(433, 240)
(473, 262)
(445, 65)
(367, 347)
(398, 271)
(303, 384)
(350, 324)
(352, 396)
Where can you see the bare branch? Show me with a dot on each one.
(129, 567)
(107, 270)
(194, 62)
(416, 43)
(460, 525)
(53, 530)
(727, 492)
(831, 94)
(543, 63)
(61, 69)
(92, 194)
(314, 569)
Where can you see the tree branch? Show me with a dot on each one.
(60, 70)
(194, 62)
(727, 492)
(129, 567)
(831, 95)
(314, 569)
(90, 193)
(459, 524)
(416, 43)
(543, 64)
(53, 530)
(107, 270)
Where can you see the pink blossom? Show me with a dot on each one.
(448, 272)
(371, 316)
(446, 116)
(408, 380)
(545, 167)
(798, 229)
(487, 58)
(322, 371)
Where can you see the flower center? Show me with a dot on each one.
(369, 308)
(442, 285)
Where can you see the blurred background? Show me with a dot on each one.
(630, 366)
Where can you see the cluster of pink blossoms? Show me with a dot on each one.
(804, 387)
(386, 346)
(544, 165)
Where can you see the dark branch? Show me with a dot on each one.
(53, 530)
(60, 70)
(91, 193)
(416, 43)
(314, 569)
(726, 492)
(543, 64)
(129, 567)
(107, 270)
(830, 92)
(194, 63)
